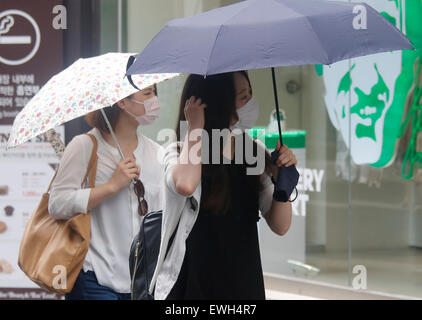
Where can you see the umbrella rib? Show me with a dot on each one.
(312, 31)
(218, 32)
(212, 49)
(401, 34)
(317, 40)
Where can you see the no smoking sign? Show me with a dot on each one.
(31, 51)
(20, 37)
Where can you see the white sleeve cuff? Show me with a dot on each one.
(81, 200)
(169, 180)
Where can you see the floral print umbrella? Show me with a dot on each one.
(85, 86)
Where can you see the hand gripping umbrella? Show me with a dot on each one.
(255, 34)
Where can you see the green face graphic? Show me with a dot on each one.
(365, 96)
(369, 106)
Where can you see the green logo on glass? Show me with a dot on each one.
(365, 96)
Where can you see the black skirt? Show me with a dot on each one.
(222, 259)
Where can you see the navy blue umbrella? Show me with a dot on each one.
(255, 34)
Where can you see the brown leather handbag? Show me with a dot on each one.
(52, 251)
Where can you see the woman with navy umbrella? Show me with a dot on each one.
(213, 209)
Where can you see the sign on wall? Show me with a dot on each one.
(31, 51)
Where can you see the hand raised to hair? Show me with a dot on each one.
(194, 113)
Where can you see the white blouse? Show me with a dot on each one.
(114, 222)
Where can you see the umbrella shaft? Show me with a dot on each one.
(112, 133)
(276, 105)
(114, 137)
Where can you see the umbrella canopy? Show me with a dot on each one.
(85, 86)
(257, 34)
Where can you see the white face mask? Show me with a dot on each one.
(152, 111)
(247, 115)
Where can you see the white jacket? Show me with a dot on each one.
(184, 209)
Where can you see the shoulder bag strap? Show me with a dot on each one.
(92, 165)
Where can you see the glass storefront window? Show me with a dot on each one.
(356, 214)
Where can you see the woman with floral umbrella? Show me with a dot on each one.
(96, 88)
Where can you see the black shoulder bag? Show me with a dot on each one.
(144, 254)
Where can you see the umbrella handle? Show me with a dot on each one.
(276, 106)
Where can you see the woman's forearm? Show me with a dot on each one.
(100, 193)
(65, 204)
(125, 172)
(187, 172)
(279, 217)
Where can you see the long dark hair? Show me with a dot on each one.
(218, 93)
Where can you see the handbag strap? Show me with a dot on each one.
(92, 165)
